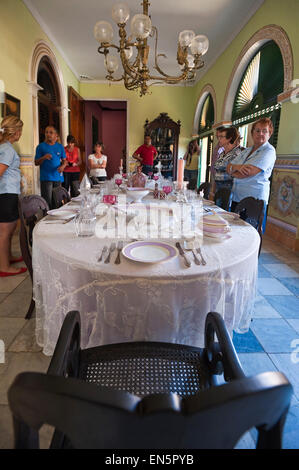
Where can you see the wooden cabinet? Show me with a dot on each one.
(165, 133)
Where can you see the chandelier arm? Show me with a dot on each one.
(104, 48)
(183, 76)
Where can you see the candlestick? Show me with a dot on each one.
(180, 178)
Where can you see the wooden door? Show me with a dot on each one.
(77, 123)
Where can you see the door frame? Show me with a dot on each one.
(127, 123)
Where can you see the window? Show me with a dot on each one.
(257, 94)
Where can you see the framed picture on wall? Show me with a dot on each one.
(11, 106)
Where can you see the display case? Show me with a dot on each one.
(164, 133)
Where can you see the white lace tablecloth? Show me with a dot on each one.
(136, 302)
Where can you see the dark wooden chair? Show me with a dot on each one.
(148, 395)
(31, 209)
(60, 196)
(222, 198)
(205, 187)
(75, 188)
(252, 211)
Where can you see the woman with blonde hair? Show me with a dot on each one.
(10, 178)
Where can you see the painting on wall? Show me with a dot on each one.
(11, 106)
(284, 201)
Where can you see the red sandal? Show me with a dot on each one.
(21, 271)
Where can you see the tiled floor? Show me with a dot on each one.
(269, 345)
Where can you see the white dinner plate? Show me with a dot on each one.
(77, 198)
(149, 252)
(219, 237)
(61, 214)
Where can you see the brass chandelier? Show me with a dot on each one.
(136, 73)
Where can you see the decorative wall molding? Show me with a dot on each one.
(284, 225)
(208, 89)
(267, 33)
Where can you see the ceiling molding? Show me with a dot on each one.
(234, 34)
(51, 37)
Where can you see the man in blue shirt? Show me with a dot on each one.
(51, 158)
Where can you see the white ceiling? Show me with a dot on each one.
(69, 24)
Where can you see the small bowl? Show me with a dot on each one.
(137, 194)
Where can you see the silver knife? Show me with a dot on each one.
(200, 253)
(182, 253)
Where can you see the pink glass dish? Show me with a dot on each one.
(109, 199)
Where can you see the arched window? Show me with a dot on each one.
(205, 133)
(257, 93)
(48, 98)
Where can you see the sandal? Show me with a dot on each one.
(17, 260)
(21, 271)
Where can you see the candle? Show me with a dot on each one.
(180, 173)
(121, 162)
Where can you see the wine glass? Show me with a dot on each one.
(150, 174)
(156, 177)
(118, 181)
(167, 190)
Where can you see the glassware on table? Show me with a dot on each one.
(118, 181)
(167, 190)
(85, 222)
(155, 177)
(110, 199)
(150, 174)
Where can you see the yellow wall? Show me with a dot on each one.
(176, 101)
(19, 33)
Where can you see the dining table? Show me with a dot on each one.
(132, 299)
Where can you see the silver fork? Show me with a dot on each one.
(200, 253)
(120, 246)
(111, 249)
(104, 251)
(189, 247)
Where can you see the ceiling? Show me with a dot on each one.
(69, 24)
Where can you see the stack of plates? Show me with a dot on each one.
(216, 227)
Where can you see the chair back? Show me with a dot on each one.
(31, 208)
(222, 198)
(252, 211)
(205, 187)
(94, 417)
(75, 188)
(60, 196)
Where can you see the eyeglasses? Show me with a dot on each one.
(262, 131)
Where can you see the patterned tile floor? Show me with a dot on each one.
(269, 344)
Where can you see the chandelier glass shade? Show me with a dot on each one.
(136, 73)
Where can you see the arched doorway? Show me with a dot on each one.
(43, 52)
(49, 101)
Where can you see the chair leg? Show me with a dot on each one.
(272, 438)
(24, 436)
(30, 310)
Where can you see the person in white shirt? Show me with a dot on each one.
(98, 162)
